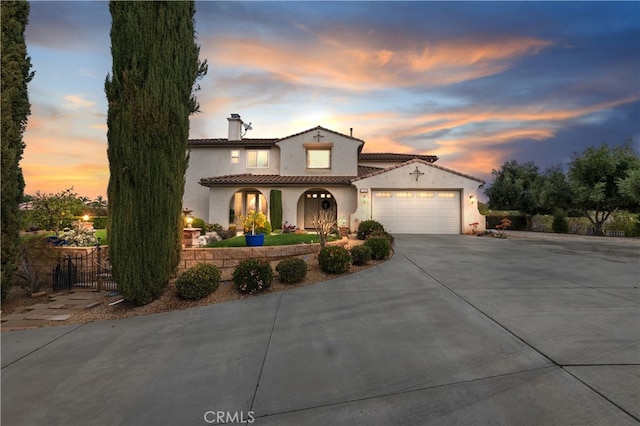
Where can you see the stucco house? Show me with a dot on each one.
(320, 169)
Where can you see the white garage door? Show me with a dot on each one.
(417, 212)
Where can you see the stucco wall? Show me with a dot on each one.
(344, 154)
(216, 161)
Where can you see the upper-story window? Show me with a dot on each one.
(318, 155)
(257, 158)
(318, 159)
(235, 156)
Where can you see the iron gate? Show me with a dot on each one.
(87, 271)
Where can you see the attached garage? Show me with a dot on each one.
(417, 211)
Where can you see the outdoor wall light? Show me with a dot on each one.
(85, 218)
(472, 199)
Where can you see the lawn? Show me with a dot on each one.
(272, 240)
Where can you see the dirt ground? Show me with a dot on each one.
(18, 298)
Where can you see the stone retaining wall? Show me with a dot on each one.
(227, 258)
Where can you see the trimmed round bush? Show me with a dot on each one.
(334, 259)
(198, 281)
(382, 234)
(252, 276)
(361, 255)
(199, 223)
(380, 247)
(292, 270)
(367, 227)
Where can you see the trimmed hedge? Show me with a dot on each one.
(380, 247)
(368, 227)
(361, 255)
(334, 259)
(292, 270)
(198, 281)
(252, 276)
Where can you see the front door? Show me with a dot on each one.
(315, 202)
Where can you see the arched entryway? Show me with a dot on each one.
(315, 201)
(244, 201)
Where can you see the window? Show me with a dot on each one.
(235, 156)
(318, 158)
(257, 158)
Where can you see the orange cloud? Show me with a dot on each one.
(365, 66)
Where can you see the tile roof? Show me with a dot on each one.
(227, 142)
(363, 173)
(257, 141)
(387, 156)
(249, 179)
(323, 129)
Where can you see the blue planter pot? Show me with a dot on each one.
(256, 240)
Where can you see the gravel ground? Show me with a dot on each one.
(18, 298)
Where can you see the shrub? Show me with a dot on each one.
(292, 270)
(199, 223)
(382, 234)
(367, 227)
(252, 276)
(214, 227)
(624, 221)
(198, 281)
(79, 236)
(560, 224)
(518, 223)
(334, 259)
(361, 255)
(380, 247)
(99, 222)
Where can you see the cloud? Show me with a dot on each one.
(77, 101)
(335, 63)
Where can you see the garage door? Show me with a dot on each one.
(417, 212)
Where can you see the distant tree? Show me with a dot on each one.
(15, 108)
(516, 187)
(594, 176)
(630, 186)
(553, 191)
(150, 95)
(54, 212)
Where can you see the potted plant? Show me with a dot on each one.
(343, 227)
(255, 226)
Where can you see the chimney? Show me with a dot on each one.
(235, 127)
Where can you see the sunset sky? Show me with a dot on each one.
(476, 84)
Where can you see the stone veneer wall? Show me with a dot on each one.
(226, 259)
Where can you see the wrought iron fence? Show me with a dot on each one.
(87, 271)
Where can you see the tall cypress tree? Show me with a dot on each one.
(16, 66)
(150, 94)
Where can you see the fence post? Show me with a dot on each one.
(69, 273)
(99, 278)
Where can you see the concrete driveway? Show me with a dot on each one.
(451, 330)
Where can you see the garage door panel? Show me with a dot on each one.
(418, 212)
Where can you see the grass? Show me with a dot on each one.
(102, 235)
(271, 240)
